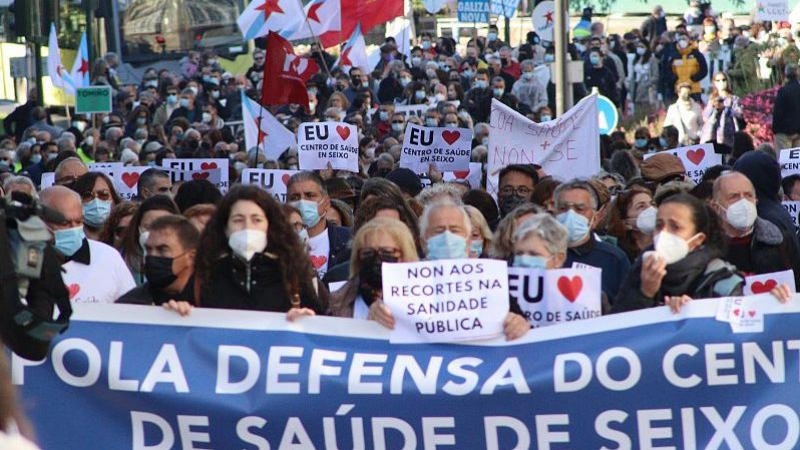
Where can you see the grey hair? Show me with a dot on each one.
(65, 143)
(480, 127)
(544, 226)
(527, 63)
(430, 209)
(21, 181)
(430, 194)
(577, 184)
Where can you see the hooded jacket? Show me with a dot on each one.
(765, 173)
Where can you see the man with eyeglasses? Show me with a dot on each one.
(576, 205)
(93, 271)
(256, 72)
(516, 186)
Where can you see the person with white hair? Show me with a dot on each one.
(19, 184)
(528, 89)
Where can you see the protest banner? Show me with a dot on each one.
(566, 148)
(792, 207)
(766, 282)
(48, 179)
(411, 110)
(215, 170)
(126, 179)
(108, 168)
(790, 161)
(547, 297)
(323, 143)
(473, 175)
(772, 10)
(696, 159)
(140, 377)
(449, 149)
(473, 11)
(446, 301)
(274, 181)
(505, 8)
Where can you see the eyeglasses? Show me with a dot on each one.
(103, 195)
(522, 191)
(383, 253)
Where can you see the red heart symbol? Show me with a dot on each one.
(570, 289)
(208, 166)
(343, 131)
(130, 179)
(200, 176)
(318, 261)
(752, 313)
(450, 136)
(73, 290)
(696, 156)
(760, 288)
(736, 312)
(461, 174)
(285, 179)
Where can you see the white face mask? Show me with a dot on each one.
(671, 247)
(246, 243)
(646, 222)
(741, 215)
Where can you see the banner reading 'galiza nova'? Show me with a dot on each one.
(140, 377)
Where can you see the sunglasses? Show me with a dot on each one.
(103, 195)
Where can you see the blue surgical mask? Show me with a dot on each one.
(447, 245)
(476, 247)
(431, 122)
(491, 36)
(641, 143)
(397, 127)
(419, 95)
(96, 212)
(69, 241)
(577, 225)
(497, 92)
(184, 102)
(528, 75)
(172, 99)
(480, 84)
(383, 115)
(468, 73)
(309, 212)
(530, 261)
(662, 142)
(595, 60)
(548, 58)
(36, 158)
(545, 118)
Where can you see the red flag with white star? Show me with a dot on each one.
(285, 74)
(323, 16)
(263, 131)
(367, 13)
(354, 52)
(80, 69)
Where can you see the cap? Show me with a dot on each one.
(661, 166)
(406, 180)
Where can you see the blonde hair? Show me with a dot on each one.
(479, 223)
(395, 229)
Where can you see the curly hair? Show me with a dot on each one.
(616, 220)
(282, 240)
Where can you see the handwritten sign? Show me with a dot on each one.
(448, 149)
(790, 161)
(274, 181)
(548, 297)
(696, 159)
(320, 143)
(214, 170)
(125, 179)
(473, 175)
(568, 147)
(766, 282)
(445, 301)
(792, 207)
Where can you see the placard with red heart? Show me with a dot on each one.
(125, 178)
(765, 283)
(548, 297)
(215, 170)
(473, 175)
(274, 181)
(696, 159)
(320, 144)
(447, 149)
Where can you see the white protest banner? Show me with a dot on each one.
(766, 282)
(48, 179)
(696, 159)
(127, 180)
(772, 10)
(744, 314)
(547, 297)
(792, 207)
(446, 301)
(790, 161)
(448, 149)
(274, 181)
(473, 175)
(108, 168)
(321, 143)
(411, 110)
(214, 170)
(568, 147)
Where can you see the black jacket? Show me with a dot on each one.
(767, 250)
(765, 173)
(478, 102)
(147, 295)
(787, 109)
(256, 285)
(339, 238)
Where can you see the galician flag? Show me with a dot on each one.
(80, 69)
(58, 74)
(263, 130)
(263, 16)
(321, 16)
(354, 52)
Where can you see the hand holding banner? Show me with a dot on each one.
(548, 297)
(323, 143)
(445, 301)
(449, 149)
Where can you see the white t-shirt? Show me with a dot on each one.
(104, 280)
(319, 248)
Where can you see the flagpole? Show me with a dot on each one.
(318, 42)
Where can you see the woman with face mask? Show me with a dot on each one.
(248, 258)
(632, 220)
(137, 231)
(685, 261)
(98, 196)
(643, 79)
(381, 240)
(722, 116)
(540, 243)
(686, 115)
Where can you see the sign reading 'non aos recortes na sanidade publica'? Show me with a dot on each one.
(95, 99)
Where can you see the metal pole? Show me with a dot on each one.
(560, 41)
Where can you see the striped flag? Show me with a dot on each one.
(263, 16)
(263, 130)
(80, 69)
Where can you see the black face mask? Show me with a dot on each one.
(158, 270)
(509, 203)
(370, 276)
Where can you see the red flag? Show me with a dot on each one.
(367, 12)
(285, 74)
